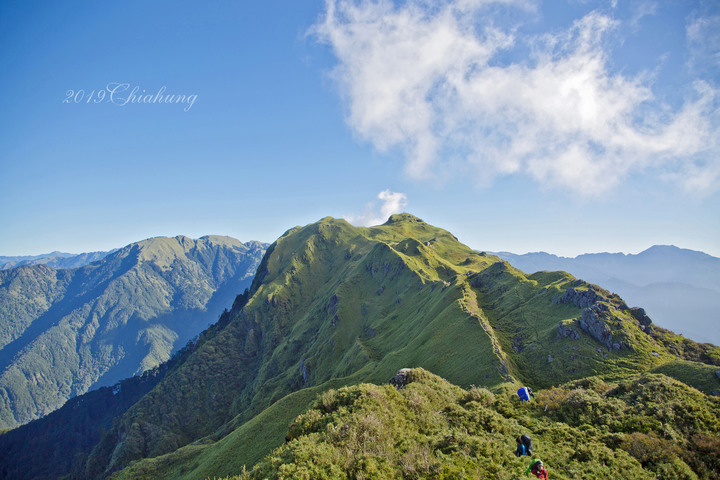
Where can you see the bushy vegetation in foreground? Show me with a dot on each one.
(646, 427)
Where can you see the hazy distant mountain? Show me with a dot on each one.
(54, 260)
(65, 331)
(679, 288)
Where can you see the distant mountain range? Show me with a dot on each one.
(66, 331)
(55, 260)
(334, 305)
(679, 288)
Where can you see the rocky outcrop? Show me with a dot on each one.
(332, 309)
(579, 298)
(565, 331)
(401, 378)
(593, 322)
(642, 318)
(518, 345)
(597, 305)
(332, 305)
(480, 280)
(304, 370)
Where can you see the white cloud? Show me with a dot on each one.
(642, 9)
(703, 37)
(425, 77)
(392, 203)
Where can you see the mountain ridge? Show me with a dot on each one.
(680, 288)
(334, 301)
(56, 259)
(67, 330)
(334, 305)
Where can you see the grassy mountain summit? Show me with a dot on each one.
(63, 332)
(333, 305)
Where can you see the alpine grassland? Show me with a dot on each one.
(292, 381)
(646, 427)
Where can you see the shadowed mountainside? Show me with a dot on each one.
(64, 332)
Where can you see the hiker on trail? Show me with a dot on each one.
(525, 393)
(524, 446)
(538, 469)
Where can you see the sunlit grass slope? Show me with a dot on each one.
(645, 427)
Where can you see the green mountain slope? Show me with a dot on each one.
(63, 332)
(333, 305)
(47, 447)
(679, 288)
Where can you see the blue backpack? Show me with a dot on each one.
(524, 393)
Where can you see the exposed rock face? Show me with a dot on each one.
(595, 314)
(332, 310)
(252, 342)
(401, 378)
(642, 318)
(481, 281)
(565, 331)
(332, 305)
(592, 322)
(304, 371)
(579, 298)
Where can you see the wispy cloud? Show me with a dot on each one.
(424, 77)
(392, 202)
(703, 37)
(642, 9)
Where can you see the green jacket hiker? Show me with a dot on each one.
(537, 468)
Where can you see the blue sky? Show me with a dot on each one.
(569, 126)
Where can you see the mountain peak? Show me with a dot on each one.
(672, 250)
(403, 218)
